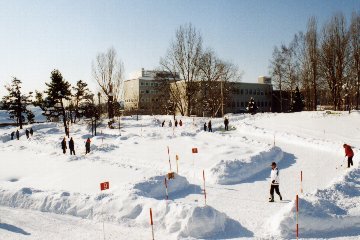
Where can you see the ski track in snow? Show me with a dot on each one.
(137, 160)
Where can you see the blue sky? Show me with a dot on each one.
(39, 36)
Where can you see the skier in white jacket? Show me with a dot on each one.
(274, 179)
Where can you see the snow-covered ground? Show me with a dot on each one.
(46, 194)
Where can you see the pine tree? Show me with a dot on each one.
(82, 97)
(16, 102)
(298, 103)
(58, 90)
(252, 107)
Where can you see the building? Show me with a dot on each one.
(148, 93)
(242, 92)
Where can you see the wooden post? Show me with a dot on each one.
(152, 224)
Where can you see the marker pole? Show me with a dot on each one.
(177, 164)
(297, 217)
(301, 180)
(169, 157)
(166, 189)
(152, 224)
(204, 186)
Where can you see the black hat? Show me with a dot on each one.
(273, 164)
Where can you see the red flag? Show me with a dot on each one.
(104, 186)
(194, 150)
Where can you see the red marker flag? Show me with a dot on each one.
(104, 186)
(194, 150)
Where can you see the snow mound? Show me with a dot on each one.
(154, 187)
(235, 171)
(328, 213)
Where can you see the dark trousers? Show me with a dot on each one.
(72, 151)
(276, 188)
(64, 150)
(226, 127)
(87, 150)
(350, 161)
(210, 129)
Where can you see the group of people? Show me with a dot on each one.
(180, 123)
(72, 146)
(208, 127)
(275, 180)
(17, 134)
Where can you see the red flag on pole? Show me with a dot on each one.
(194, 150)
(104, 186)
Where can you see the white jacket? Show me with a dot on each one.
(274, 176)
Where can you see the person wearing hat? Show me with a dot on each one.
(349, 153)
(274, 179)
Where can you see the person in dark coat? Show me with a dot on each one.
(17, 134)
(349, 153)
(87, 146)
(209, 126)
(180, 123)
(27, 133)
(31, 131)
(71, 146)
(226, 123)
(63, 145)
(12, 135)
(205, 127)
(176, 123)
(163, 123)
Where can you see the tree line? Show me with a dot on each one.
(323, 62)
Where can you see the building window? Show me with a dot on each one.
(147, 84)
(242, 104)
(147, 91)
(142, 84)
(142, 91)
(246, 91)
(237, 104)
(250, 91)
(241, 91)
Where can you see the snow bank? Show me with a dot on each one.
(235, 171)
(154, 187)
(331, 212)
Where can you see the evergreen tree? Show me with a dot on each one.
(252, 107)
(298, 103)
(58, 90)
(39, 100)
(82, 97)
(16, 102)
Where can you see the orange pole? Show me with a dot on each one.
(152, 224)
(297, 217)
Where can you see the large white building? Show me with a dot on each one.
(143, 93)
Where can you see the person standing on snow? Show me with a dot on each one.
(274, 179)
(12, 135)
(176, 123)
(63, 145)
(205, 127)
(209, 126)
(350, 154)
(87, 146)
(27, 133)
(17, 134)
(180, 123)
(170, 123)
(163, 123)
(71, 146)
(226, 123)
(31, 131)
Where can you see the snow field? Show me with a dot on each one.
(34, 174)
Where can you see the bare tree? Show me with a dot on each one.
(183, 58)
(277, 72)
(355, 49)
(312, 57)
(108, 73)
(334, 55)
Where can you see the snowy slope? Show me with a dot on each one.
(35, 175)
